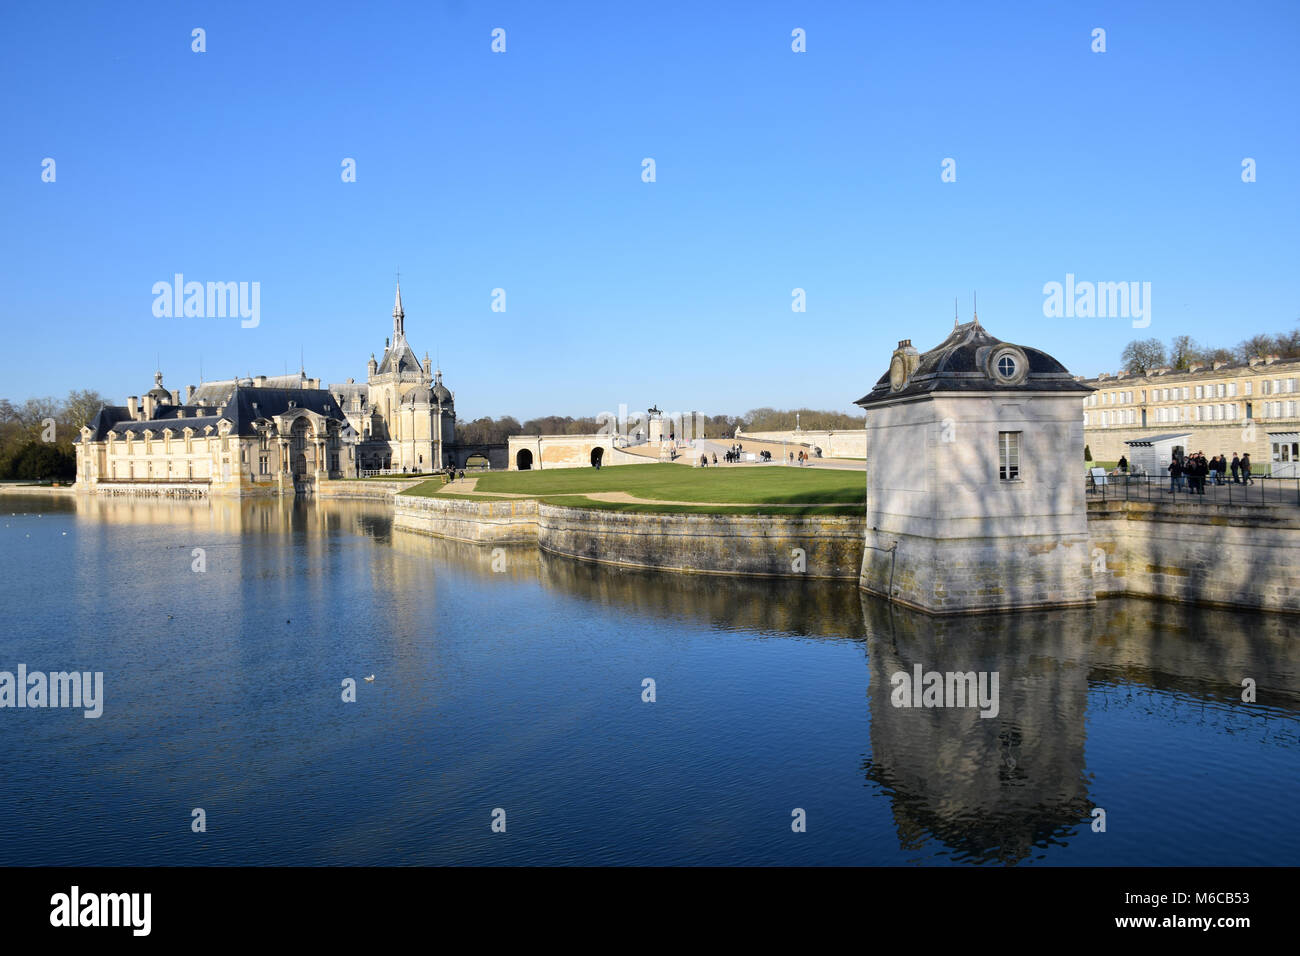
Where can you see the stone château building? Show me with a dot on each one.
(1221, 408)
(245, 436)
(404, 415)
(276, 434)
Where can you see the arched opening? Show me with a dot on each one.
(300, 449)
(476, 461)
(597, 454)
(524, 460)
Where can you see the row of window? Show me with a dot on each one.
(1276, 386)
(1191, 413)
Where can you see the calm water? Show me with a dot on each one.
(522, 690)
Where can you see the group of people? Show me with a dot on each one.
(733, 454)
(1189, 472)
(451, 474)
(804, 458)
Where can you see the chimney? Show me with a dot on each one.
(313, 383)
(189, 393)
(148, 408)
(1195, 367)
(260, 381)
(176, 396)
(133, 407)
(1219, 365)
(1254, 360)
(1121, 374)
(1270, 359)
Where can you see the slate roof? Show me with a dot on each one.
(244, 406)
(957, 364)
(400, 358)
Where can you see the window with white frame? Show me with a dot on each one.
(1009, 456)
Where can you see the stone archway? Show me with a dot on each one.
(301, 449)
(524, 460)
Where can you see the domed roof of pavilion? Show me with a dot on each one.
(970, 359)
(158, 393)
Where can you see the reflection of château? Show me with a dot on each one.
(272, 434)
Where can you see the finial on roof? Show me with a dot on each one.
(955, 322)
(157, 379)
(975, 315)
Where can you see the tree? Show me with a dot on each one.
(1142, 355)
(1257, 346)
(81, 407)
(1183, 352)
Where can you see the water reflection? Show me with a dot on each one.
(972, 789)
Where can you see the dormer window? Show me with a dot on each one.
(1008, 365)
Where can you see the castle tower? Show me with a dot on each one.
(975, 493)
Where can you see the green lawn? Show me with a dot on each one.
(754, 489)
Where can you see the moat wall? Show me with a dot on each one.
(751, 545)
(480, 521)
(1229, 556)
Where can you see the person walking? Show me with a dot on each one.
(1236, 469)
(715, 457)
(1175, 473)
(1246, 479)
(1123, 465)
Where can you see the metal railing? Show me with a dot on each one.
(1259, 490)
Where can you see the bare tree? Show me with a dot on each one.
(1257, 346)
(81, 407)
(1142, 355)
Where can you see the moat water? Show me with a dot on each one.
(522, 689)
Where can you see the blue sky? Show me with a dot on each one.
(775, 170)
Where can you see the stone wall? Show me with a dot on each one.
(841, 443)
(568, 451)
(752, 545)
(1230, 556)
(1107, 443)
(367, 489)
(497, 521)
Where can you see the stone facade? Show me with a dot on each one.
(533, 452)
(974, 495)
(404, 415)
(1227, 408)
(262, 436)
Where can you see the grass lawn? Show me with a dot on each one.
(752, 490)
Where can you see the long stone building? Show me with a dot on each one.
(1221, 408)
(275, 434)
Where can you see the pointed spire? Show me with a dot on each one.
(954, 312)
(976, 313)
(399, 316)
